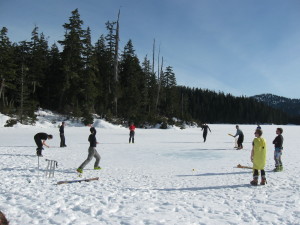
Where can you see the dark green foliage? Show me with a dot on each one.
(87, 118)
(11, 123)
(80, 80)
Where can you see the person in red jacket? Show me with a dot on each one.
(132, 132)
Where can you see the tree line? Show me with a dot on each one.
(85, 78)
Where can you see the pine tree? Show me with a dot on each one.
(130, 81)
(54, 82)
(38, 65)
(150, 90)
(25, 104)
(89, 76)
(73, 64)
(168, 84)
(7, 73)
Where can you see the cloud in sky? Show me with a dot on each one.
(242, 47)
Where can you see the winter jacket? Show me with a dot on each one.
(132, 128)
(260, 153)
(278, 141)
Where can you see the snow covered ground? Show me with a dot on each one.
(166, 177)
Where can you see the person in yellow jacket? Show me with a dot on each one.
(258, 157)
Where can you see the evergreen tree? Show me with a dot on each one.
(130, 81)
(103, 77)
(26, 106)
(38, 65)
(7, 73)
(54, 83)
(150, 90)
(72, 65)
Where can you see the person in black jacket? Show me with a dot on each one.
(278, 142)
(205, 127)
(62, 135)
(40, 140)
(92, 152)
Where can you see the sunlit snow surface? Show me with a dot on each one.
(166, 177)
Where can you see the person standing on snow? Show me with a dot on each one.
(40, 140)
(258, 157)
(205, 127)
(92, 152)
(131, 133)
(62, 135)
(278, 142)
(240, 140)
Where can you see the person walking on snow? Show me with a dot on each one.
(92, 152)
(131, 133)
(62, 135)
(240, 140)
(40, 140)
(278, 142)
(205, 127)
(258, 157)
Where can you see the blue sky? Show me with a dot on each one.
(243, 47)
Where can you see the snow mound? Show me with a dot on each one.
(101, 123)
(49, 119)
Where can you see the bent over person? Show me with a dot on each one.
(40, 140)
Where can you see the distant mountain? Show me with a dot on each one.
(288, 105)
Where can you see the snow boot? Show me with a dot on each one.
(79, 170)
(280, 168)
(97, 168)
(277, 169)
(254, 182)
(263, 181)
(39, 153)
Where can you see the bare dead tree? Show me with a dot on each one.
(116, 64)
(153, 56)
(158, 78)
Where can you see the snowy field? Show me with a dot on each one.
(166, 177)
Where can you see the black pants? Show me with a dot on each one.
(38, 142)
(62, 140)
(255, 173)
(131, 136)
(240, 141)
(204, 135)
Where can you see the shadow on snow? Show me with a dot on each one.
(204, 188)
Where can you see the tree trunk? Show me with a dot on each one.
(116, 64)
(22, 94)
(153, 56)
(2, 87)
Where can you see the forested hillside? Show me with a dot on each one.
(287, 105)
(79, 78)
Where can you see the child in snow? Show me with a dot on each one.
(40, 140)
(92, 152)
(258, 157)
(278, 141)
(240, 140)
(131, 133)
(205, 127)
